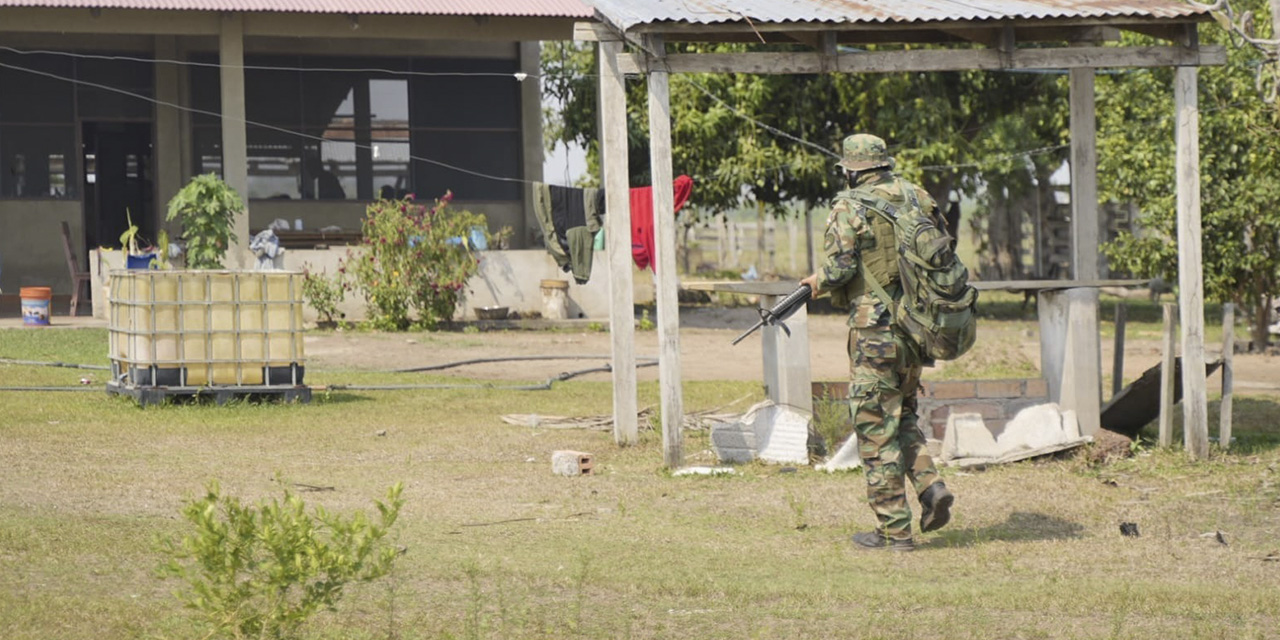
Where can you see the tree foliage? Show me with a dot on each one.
(773, 138)
(1240, 162)
(206, 208)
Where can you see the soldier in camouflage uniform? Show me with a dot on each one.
(885, 364)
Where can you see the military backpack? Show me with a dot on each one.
(938, 305)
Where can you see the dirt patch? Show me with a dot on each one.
(1004, 349)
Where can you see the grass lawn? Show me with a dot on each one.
(499, 547)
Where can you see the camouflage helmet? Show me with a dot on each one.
(864, 151)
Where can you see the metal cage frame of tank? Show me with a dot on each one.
(237, 330)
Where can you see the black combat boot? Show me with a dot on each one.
(935, 507)
(877, 540)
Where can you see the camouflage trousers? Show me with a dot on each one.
(885, 376)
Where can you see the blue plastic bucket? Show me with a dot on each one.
(139, 262)
(35, 305)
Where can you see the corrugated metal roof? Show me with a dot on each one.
(629, 13)
(517, 8)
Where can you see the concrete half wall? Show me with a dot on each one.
(511, 279)
(31, 253)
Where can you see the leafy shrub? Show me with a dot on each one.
(416, 260)
(261, 571)
(323, 294)
(206, 208)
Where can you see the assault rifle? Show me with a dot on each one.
(780, 311)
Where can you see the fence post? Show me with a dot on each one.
(1117, 360)
(1166, 375)
(1228, 355)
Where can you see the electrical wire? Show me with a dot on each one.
(244, 121)
(517, 75)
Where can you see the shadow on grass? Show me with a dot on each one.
(1021, 526)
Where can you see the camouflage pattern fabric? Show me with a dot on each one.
(862, 151)
(885, 376)
(884, 364)
(855, 233)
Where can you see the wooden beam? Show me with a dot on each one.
(669, 29)
(668, 280)
(1084, 176)
(988, 37)
(1082, 374)
(934, 60)
(622, 329)
(1190, 263)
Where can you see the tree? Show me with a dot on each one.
(1240, 159)
(773, 138)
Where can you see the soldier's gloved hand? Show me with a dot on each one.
(812, 281)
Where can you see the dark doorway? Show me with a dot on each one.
(117, 182)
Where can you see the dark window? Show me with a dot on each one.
(207, 147)
(31, 97)
(350, 134)
(470, 123)
(37, 161)
(127, 76)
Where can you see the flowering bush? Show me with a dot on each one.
(323, 294)
(416, 260)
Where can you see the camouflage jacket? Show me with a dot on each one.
(856, 234)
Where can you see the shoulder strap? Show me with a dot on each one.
(878, 290)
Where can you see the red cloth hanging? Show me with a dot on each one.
(642, 243)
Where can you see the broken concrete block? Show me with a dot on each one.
(845, 458)
(770, 432)
(967, 436)
(733, 442)
(1033, 428)
(572, 463)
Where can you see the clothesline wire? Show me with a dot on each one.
(223, 117)
(517, 75)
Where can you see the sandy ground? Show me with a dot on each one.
(705, 350)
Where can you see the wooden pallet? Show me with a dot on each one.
(220, 394)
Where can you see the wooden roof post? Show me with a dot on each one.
(1195, 412)
(1082, 381)
(622, 328)
(664, 232)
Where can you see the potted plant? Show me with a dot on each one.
(206, 208)
(135, 258)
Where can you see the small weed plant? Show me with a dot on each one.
(260, 571)
(323, 294)
(416, 261)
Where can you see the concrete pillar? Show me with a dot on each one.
(531, 137)
(167, 146)
(235, 152)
